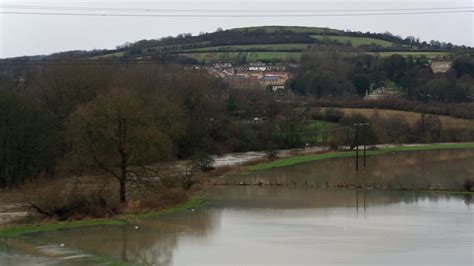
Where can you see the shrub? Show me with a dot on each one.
(271, 150)
(202, 162)
(468, 185)
(333, 115)
(74, 206)
(317, 115)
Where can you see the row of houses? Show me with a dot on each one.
(251, 76)
(260, 75)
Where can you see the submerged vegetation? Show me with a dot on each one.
(118, 220)
(22, 230)
(372, 152)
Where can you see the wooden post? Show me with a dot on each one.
(357, 146)
(365, 140)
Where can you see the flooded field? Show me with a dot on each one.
(301, 219)
(438, 170)
(273, 225)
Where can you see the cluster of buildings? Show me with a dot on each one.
(440, 65)
(252, 76)
(382, 93)
(260, 75)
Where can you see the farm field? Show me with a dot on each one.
(113, 55)
(249, 56)
(235, 52)
(412, 53)
(281, 55)
(285, 46)
(355, 41)
(411, 117)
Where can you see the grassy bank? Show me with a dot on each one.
(123, 219)
(332, 155)
(193, 203)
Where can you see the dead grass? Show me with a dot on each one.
(411, 117)
(79, 198)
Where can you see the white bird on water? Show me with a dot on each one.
(136, 227)
(61, 245)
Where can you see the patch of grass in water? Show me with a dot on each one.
(104, 260)
(332, 155)
(193, 203)
(21, 230)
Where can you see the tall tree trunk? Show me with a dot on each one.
(122, 190)
(123, 180)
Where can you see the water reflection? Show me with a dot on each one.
(444, 169)
(145, 242)
(278, 225)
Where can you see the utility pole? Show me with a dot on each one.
(357, 146)
(357, 126)
(365, 140)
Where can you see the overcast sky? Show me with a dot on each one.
(35, 34)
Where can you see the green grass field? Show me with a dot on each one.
(21, 230)
(178, 47)
(320, 127)
(332, 155)
(284, 56)
(235, 48)
(235, 52)
(250, 56)
(355, 41)
(113, 55)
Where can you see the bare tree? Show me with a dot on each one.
(119, 135)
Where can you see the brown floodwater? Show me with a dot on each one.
(274, 225)
(289, 225)
(438, 170)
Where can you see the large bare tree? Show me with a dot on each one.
(119, 133)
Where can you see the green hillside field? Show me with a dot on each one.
(277, 47)
(355, 41)
(249, 56)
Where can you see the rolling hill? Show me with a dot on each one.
(266, 43)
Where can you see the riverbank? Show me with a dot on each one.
(435, 168)
(122, 219)
(377, 150)
(251, 166)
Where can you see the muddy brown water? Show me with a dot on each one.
(286, 225)
(438, 170)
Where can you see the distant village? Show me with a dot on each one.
(256, 75)
(274, 76)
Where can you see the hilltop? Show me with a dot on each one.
(266, 43)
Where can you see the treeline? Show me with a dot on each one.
(118, 119)
(326, 74)
(64, 110)
(220, 38)
(409, 42)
